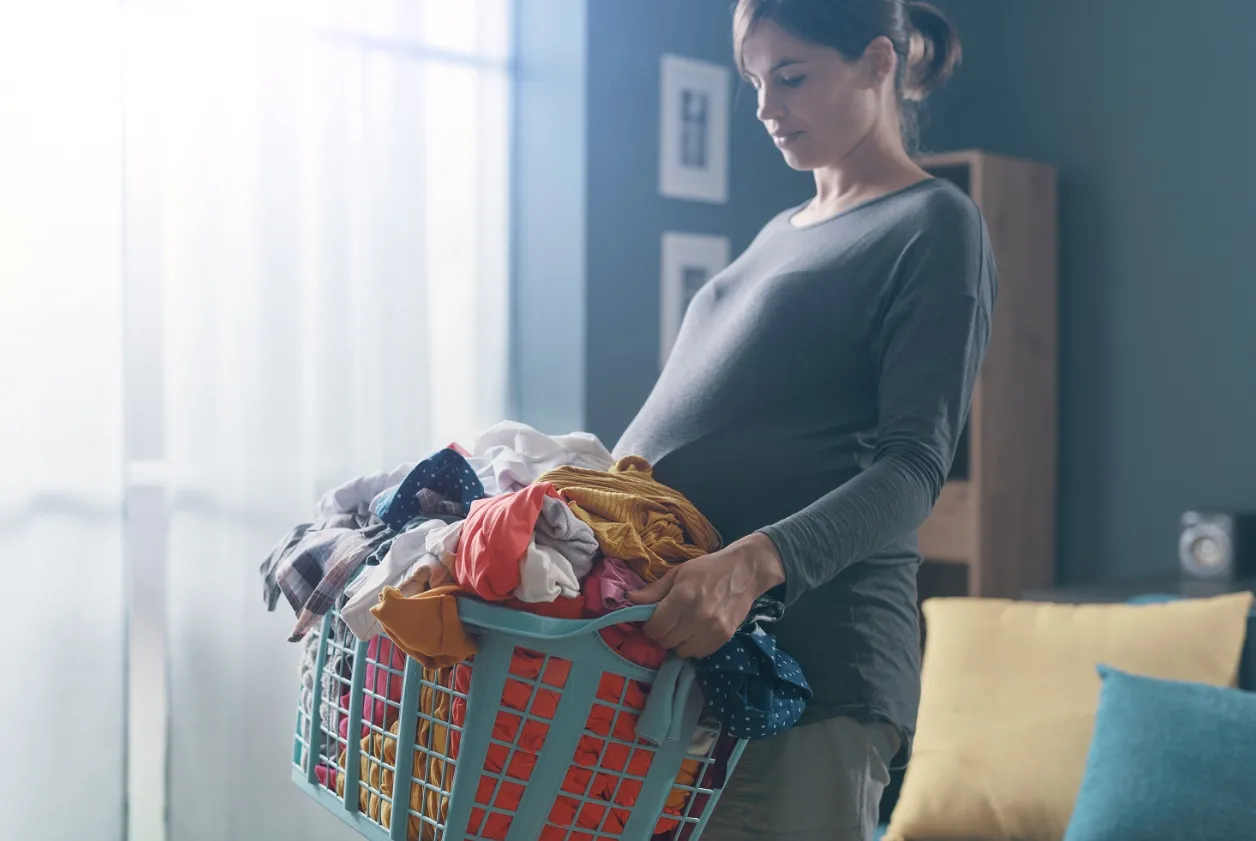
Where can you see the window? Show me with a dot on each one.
(248, 249)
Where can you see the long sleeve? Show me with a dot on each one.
(928, 351)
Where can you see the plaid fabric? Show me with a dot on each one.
(299, 571)
(296, 563)
(444, 477)
(314, 562)
(344, 554)
(371, 544)
(270, 567)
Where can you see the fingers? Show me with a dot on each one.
(666, 621)
(653, 592)
(699, 647)
(689, 619)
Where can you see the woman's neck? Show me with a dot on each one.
(877, 165)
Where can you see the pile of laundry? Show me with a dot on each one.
(551, 525)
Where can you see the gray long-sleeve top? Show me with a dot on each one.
(816, 393)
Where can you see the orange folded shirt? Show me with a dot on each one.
(426, 626)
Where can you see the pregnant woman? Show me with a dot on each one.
(813, 400)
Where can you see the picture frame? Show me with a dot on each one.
(688, 262)
(693, 129)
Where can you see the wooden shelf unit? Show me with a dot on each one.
(992, 532)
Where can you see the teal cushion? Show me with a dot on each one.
(1169, 759)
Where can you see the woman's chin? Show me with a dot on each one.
(798, 159)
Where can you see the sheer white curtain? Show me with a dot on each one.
(61, 425)
(305, 279)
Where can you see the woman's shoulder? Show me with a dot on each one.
(947, 208)
(947, 245)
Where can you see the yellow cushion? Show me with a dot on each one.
(1009, 698)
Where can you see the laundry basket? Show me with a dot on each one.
(532, 739)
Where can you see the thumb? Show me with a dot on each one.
(654, 592)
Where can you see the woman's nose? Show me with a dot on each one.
(769, 106)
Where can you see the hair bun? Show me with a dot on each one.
(933, 51)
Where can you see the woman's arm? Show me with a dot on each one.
(931, 345)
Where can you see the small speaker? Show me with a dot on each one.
(1217, 545)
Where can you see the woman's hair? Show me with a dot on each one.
(927, 46)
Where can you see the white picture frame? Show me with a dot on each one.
(688, 262)
(693, 129)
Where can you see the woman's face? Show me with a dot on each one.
(816, 105)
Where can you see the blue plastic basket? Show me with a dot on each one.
(461, 779)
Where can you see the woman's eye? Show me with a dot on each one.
(793, 81)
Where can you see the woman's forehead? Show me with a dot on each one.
(768, 45)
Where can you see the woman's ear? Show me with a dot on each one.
(879, 61)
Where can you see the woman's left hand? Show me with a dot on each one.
(702, 602)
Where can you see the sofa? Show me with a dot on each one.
(1246, 681)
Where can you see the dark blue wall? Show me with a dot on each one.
(626, 215)
(1144, 111)
(1144, 107)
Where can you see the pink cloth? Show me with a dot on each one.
(385, 685)
(606, 589)
(608, 585)
(380, 681)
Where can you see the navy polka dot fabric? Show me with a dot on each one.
(753, 688)
(446, 473)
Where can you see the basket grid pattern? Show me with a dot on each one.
(607, 772)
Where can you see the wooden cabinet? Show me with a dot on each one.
(992, 532)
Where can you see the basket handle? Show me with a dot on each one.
(488, 617)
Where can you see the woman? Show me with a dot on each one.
(812, 403)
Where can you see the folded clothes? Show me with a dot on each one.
(648, 525)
